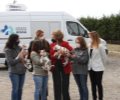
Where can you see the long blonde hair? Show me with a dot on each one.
(95, 39)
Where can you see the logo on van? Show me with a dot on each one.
(7, 30)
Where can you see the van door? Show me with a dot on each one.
(39, 25)
(47, 26)
(74, 29)
(55, 26)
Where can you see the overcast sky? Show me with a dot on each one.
(77, 8)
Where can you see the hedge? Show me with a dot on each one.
(108, 26)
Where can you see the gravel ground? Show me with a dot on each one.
(111, 82)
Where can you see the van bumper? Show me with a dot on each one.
(2, 60)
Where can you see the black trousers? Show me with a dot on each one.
(60, 83)
(96, 84)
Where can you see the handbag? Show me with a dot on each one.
(91, 50)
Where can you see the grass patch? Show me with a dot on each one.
(114, 47)
(114, 50)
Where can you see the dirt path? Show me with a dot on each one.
(111, 83)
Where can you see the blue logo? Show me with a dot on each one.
(7, 30)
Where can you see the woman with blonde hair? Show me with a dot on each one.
(96, 65)
(60, 73)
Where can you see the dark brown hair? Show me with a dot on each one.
(38, 45)
(82, 42)
(11, 41)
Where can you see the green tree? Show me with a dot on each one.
(108, 26)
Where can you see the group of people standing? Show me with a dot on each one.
(81, 60)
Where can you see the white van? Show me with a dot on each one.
(25, 24)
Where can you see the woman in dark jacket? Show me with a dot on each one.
(15, 60)
(80, 59)
(39, 36)
(61, 73)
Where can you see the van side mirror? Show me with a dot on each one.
(85, 34)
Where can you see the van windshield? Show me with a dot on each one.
(75, 29)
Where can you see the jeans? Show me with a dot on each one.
(96, 84)
(81, 81)
(17, 81)
(40, 87)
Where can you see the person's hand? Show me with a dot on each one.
(23, 53)
(73, 56)
(23, 61)
(68, 54)
(56, 54)
(61, 52)
(20, 55)
(24, 50)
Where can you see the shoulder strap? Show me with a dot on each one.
(91, 50)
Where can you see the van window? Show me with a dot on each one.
(75, 29)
